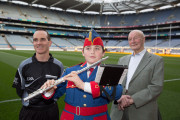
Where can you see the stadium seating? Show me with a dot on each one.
(3, 43)
(66, 41)
(20, 42)
(62, 42)
(112, 43)
(123, 43)
(32, 13)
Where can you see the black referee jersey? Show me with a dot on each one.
(30, 76)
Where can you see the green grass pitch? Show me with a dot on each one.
(169, 100)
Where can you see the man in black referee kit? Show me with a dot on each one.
(32, 74)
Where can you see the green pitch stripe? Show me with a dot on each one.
(11, 59)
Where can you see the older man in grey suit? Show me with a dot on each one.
(142, 85)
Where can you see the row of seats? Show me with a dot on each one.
(3, 43)
(74, 33)
(25, 42)
(51, 16)
(153, 17)
(60, 17)
(19, 41)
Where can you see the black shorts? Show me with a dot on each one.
(45, 113)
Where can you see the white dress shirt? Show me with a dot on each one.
(133, 64)
(87, 86)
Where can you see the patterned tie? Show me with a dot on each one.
(91, 70)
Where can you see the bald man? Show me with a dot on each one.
(142, 85)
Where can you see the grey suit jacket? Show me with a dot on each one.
(144, 88)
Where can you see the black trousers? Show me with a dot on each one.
(32, 113)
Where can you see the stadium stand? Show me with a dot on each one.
(18, 23)
(19, 42)
(3, 43)
(142, 18)
(123, 43)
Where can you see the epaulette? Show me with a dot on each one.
(83, 64)
(75, 65)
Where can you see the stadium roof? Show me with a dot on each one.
(102, 6)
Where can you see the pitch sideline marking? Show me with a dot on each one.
(20, 99)
(172, 80)
(9, 100)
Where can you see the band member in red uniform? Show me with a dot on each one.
(84, 98)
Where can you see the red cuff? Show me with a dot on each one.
(47, 98)
(70, 84)
(95, 89)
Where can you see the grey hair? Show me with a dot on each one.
(138, 31)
